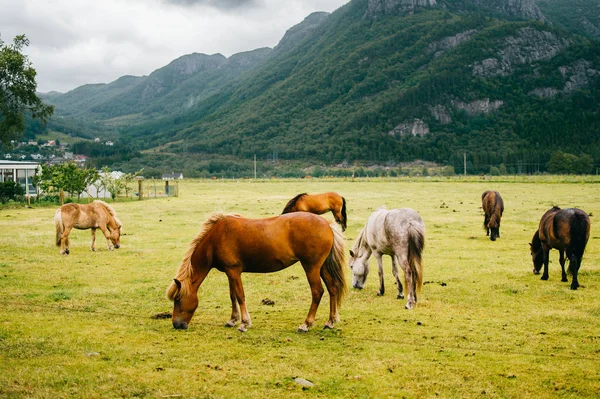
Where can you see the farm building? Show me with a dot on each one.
(172, 176)
(21, 172)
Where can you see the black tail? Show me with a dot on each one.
(580, 228)
(344, 216)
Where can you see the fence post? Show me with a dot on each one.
(140, 190)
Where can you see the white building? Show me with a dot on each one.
(21, 172)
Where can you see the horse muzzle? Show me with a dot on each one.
(180, 325)
(358, 287)
(117, 246)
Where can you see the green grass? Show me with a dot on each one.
(81, 325)
(64, 138)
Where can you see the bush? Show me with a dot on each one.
(10, 190)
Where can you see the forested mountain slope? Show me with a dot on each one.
(385, 81)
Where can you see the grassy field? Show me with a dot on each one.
(485, 326)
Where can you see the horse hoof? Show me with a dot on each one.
(303, 328)
(400, 296)
(67, 251)
(409, 305)
(230, 323)
(379, 293)
(242, 328)
(544, 278)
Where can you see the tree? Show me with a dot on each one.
(65, 176)
(17, 91)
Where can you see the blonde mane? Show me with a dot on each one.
(185, 271)
(111, 211)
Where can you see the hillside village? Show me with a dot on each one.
(49, 151)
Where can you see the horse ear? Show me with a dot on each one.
(352, 253)
(177, 283)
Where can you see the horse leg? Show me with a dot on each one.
(574, 264)
(395, 273)
(107, 235)
(411, 299)
(380, 266)
(64, 241)
(235, 276)
(334, 315)
(235, 313)
(562, 265)
(316, 290)
(93, 247)
(546, 252)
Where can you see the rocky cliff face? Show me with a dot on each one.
(526, 9)
(527, 46)
(396, 7)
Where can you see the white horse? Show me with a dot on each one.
(399, 233)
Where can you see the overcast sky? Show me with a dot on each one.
(74, 42)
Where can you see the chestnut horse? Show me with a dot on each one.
(563, 229)
(493, 207)
(319, 204)
(97, 215)
(233, 244)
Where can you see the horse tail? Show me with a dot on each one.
(344, 215)
(59, 226)
(416, 244)
(495, 215)
(335, 264)
(580, 230)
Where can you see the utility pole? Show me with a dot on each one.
(465, 163)
(254, 166)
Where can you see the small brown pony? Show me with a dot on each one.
(319, 204)
(233, 245)
(97, 215)
(566, 230)
(493, 207)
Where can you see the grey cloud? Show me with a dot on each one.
(219, 4)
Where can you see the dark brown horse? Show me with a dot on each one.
(493, 207)
(233, 245)
(97, 215)
(319, 204)
(563, 229)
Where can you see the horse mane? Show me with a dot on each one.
(536, 243)
(291, 203)
(111, 212)
(185, 271)
(359, 239)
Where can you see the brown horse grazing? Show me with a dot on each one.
(493, 207)
(97, 215)
(233, 245)
(319, 204)
(566, 230)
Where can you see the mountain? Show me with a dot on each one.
(382, 82)
(178, 86)
(578, 16)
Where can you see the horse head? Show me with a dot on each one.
(537, 255)
(359, 264)
(185, 303)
